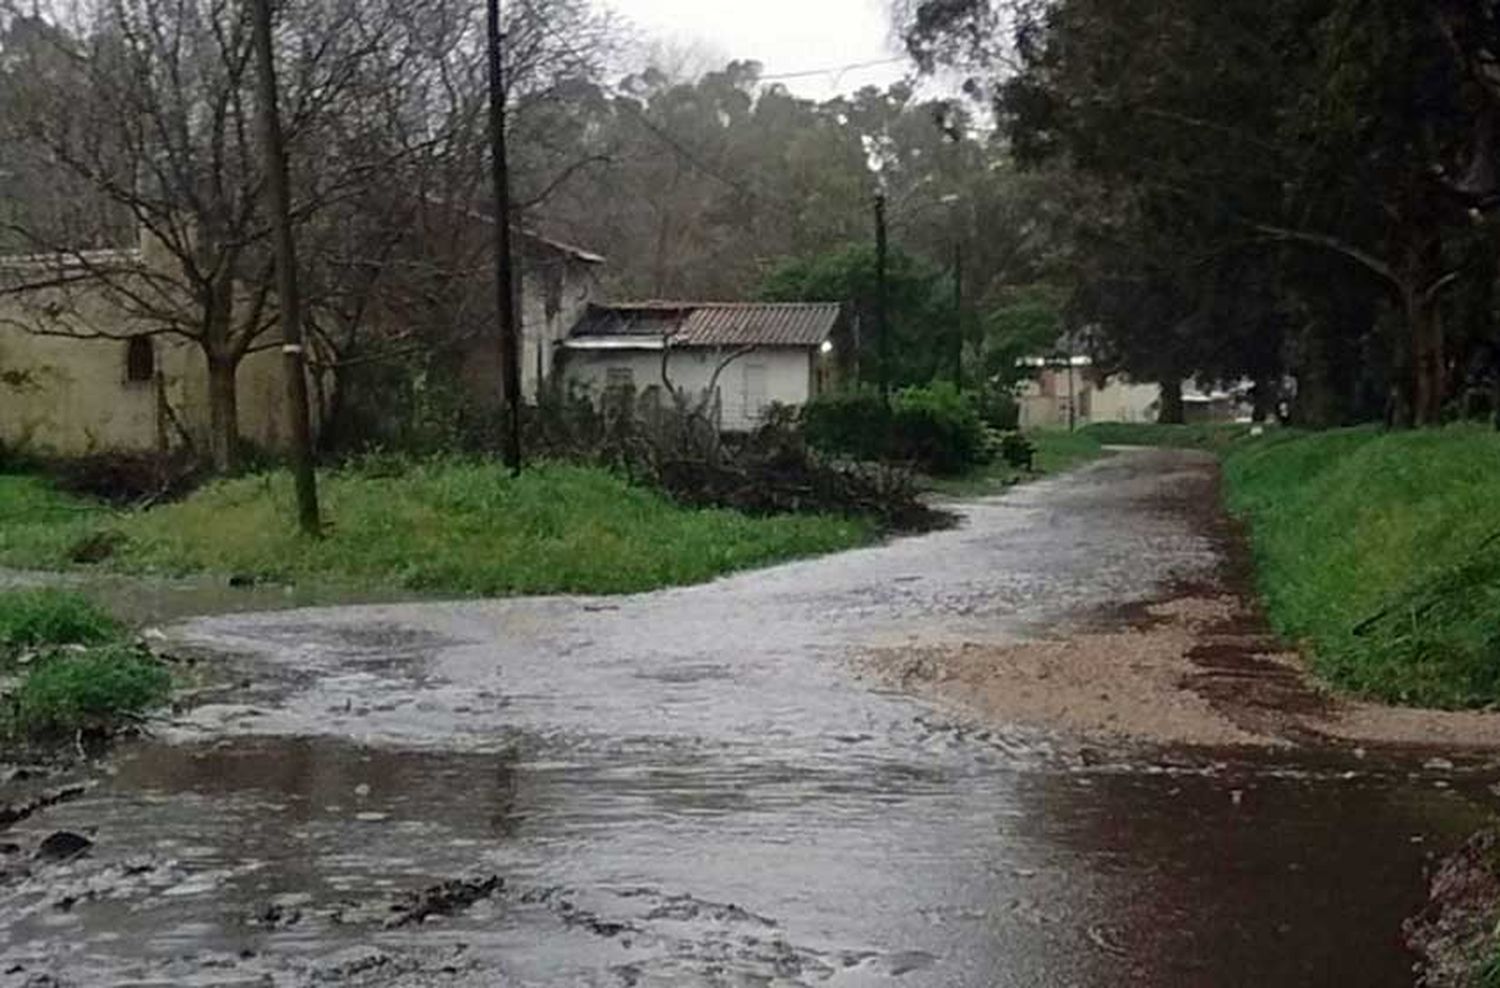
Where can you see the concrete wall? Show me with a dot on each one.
(1044, 401)
(71, 397)
(784, 375)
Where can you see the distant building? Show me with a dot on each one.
(1067, 389)
(749, 355)
(143, 392)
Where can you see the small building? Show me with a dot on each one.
(1064, 390)
(746, 355)
(1068, 390)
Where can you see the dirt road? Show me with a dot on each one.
(731, 785)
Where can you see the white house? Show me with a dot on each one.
(748, 354)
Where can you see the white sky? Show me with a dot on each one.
(783, 35)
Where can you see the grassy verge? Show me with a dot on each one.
(68, 667)
(1212, 436)
(1056, 451)
(449, 527)
(1380, 553)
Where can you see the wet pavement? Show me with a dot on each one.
(692, 787)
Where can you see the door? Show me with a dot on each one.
(754, 393)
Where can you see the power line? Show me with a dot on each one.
(836, 70)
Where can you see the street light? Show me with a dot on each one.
(876, 151)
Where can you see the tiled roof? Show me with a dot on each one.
(713, 324)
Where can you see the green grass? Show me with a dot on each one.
(1380, 553)
(443, 527)
(39, 522)
(1057, 450)
(1213, 436)
(71, 667)
(93, 690)
(33, 618)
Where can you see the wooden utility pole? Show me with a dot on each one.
(505, 286)
(290, 302)
(958, 313)
(882, 301)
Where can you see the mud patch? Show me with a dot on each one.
(1134, 683)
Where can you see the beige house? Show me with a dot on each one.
(1065, 390)
(135, 392)
(746, 355)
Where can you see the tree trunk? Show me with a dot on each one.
(1263, 400)
(223, 413)
(1425, 325)
(1171, 402)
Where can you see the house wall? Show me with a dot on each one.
(554, 296)
(789, 375)
(1044, 400)
(71, 397)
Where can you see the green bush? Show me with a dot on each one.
(999, 410)
(1017, 450)
(938, 429)
(853, 423)
(934, 428)
(32, 618)
(89, 690)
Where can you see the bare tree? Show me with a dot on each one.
(147, 110)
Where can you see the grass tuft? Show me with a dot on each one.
(92, 690)
(34, 618)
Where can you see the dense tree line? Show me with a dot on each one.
(722, 186)
(1299, 189)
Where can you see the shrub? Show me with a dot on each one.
(32, 618)
(1017, 450)
(937, 429)
(90, 690)
(934, 428)
(854, 423)
(999, 410)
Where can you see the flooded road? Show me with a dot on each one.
(692, 787)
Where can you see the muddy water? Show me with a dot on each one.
(691, 788)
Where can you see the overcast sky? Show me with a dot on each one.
(783, 35)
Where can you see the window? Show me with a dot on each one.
(140, 359)
(619, 388)
(619, 379)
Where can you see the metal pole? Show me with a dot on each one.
(505, 288)
(288, 298)
(882, 318)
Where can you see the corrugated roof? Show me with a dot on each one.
(714, 324)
